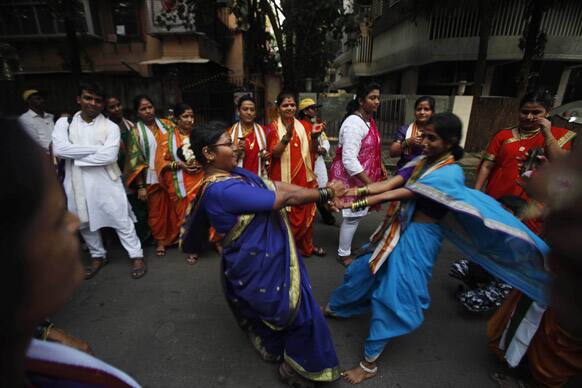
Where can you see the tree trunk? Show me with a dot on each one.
(486, 11)
(72, 43)
(286, 59)
(536, 9)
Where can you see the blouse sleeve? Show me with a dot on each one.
(493, 147)
(400, 134)
(272, 137)
(237, 197)
(351, 137)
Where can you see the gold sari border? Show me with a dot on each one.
(569, 136)
(326, 375)
(489, 157)
(237, 230)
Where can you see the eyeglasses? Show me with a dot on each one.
(225, 144)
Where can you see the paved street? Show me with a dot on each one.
(173, 328)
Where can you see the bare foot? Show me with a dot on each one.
(357, 374)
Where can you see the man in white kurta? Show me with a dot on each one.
(93, 185)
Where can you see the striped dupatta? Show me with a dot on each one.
(388, 233)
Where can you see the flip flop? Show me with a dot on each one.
(90, 272)
(137, 273)
(192, 259)
(318, 251)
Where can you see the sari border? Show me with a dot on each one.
(326, 375)
(569, 136)
(446, 200)
(489, 157)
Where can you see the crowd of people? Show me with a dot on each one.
(252, 193)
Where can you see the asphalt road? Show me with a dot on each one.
(173, 328)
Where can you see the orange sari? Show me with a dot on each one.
(137, 164)
(181, 186)
(298, 172)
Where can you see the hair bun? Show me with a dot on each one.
(457, 152)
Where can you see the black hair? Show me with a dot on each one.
(283, 95)
(246, 97)
(540, 96)
(450, 128)
(92, 87)
(301, 114)
(204, 135)
(429, 99)
(21, 200)
(180, 108)
(515, 204)
(137, 100)
(361, 93)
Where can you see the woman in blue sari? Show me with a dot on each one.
(264, 279)
(429, 201)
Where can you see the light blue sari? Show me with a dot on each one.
(477, 224)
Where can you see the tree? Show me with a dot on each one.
(301, 29)
(532, 42)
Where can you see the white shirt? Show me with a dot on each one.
(40, 128)
(352, 133)
(96, 150)
(66, 356)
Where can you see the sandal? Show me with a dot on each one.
(192, 259)
(91, 271)
(344, 260)
(318, 251)
(137, 273)
(290, 377)
(161, 251)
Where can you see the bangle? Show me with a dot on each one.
(174, 165)
(362, 191)
(359, 204)
(142, 186)
(325, 194)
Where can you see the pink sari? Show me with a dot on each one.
(370, 157)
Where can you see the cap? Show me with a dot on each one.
(307, 102)
(29, 92)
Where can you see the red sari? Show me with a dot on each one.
(504, 150)
(300, 173)
(255, 145)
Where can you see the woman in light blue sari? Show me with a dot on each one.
(264, 279)
(429, 201)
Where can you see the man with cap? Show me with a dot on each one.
(35, 121)
(308, 110)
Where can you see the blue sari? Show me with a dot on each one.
(396, 290)
(265, 281)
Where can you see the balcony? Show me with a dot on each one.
(454, 36)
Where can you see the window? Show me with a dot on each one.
(125, 18)
(33, 18)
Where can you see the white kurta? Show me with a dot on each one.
(97, 148)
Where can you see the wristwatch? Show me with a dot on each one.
(284, 140)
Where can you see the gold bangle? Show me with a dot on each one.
(362, 191)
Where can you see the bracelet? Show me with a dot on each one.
(174, 165)
(325, 194)
(362, 191)
(142, 186)
(359, 204)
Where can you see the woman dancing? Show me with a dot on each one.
(265, 282)
(433, 202)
